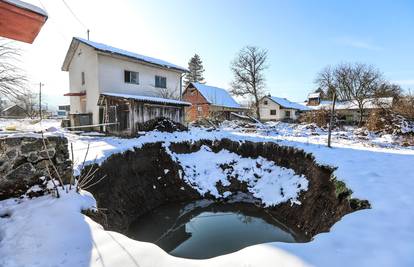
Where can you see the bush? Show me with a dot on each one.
(319, 117)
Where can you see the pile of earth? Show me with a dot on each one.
(163, 125)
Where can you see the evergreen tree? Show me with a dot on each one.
(195, 66)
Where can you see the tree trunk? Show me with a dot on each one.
(257, 107)
(361, 115)
(331, 118)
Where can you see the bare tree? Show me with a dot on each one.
(12, 78)
(328, 83)
(27, 100)
(248, 70)
(354, 82)
(168, 93)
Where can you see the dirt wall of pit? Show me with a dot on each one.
(141, 180)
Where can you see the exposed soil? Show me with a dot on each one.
(141, 180)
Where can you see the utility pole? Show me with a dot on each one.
(87, 33)
(40, 100)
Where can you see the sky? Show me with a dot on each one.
(302, 37)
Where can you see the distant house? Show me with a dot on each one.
(20, 21)
(277, 108)
(14, 112)
(348, 110)
(209, 102)
(314, 99)
(119, 88)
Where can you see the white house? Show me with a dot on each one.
(277, 108)
(111, 85)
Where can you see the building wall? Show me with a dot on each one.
(280, 112)
(200, 107)
(111, 77)
(84, 60)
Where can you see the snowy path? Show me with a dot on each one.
(381, 236)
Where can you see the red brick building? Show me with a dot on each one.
(209, 102)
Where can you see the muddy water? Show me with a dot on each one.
(200, 230)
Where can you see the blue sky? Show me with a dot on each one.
(301, 37)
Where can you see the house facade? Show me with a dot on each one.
(111, 85)
(276, 109)
(209, 102)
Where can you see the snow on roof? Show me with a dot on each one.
(370, 103)
(314, 95)
(216, 96)
(27, 6)
(153, 99)
(118, 51)
(288, 104)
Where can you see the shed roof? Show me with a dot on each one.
(117, 51)
(370, 103)
(288, 104)
(151, 99)
(216, 96)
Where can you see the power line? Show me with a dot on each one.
(74, 15)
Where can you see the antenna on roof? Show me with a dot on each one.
(87, 33)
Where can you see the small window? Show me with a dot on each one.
(265, 102)
(287, 113)
(160, 82)
(131, 77)
(199, 110)
(83, 78)
(273, 112)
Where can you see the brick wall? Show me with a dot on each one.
(198, 101)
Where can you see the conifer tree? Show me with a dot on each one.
(195, 66)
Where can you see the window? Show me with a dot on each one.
(83, 78)
(287, 113)
(199, 110)
(265, 102)
(160, 82)
(131, 77)
(273, 112)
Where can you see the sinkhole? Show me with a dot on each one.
(156, 193)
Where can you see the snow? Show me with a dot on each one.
(114, 50)
(370, 103)
(52, 232)
(202, 170)
(216, 96)
(27, 6)
(288, 104)
(149, 99)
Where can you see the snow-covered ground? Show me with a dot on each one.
(52, 232)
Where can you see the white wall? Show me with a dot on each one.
(280, 112)
(111, 77)
(85, 60)
(104, 73)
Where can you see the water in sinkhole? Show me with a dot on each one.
(195, 231)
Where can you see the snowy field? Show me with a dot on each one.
(52, 232)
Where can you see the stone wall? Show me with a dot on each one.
(25, 159)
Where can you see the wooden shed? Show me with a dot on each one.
(124, 114)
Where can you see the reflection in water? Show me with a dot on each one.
(195, 231)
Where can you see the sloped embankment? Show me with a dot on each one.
(141, 180)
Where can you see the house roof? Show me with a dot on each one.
(27, 6)
(151, 99)
(216, 96)
(370, 103)
(117, 51)
(314, 95)
(283, 102)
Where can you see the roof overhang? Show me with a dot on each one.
(143, 99)
(75, 94)
(20, 21)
